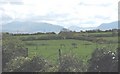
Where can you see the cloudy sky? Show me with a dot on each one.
(82, 13)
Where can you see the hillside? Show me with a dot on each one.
(106, 26)
(18, 26)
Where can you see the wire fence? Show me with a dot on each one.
(68, 61)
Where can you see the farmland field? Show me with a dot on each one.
(49, 48)
(83, 48)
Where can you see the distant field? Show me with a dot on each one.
(49, 48)
(83, 48)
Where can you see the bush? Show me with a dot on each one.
(15, 63)
(70, 63)
(103, 61)
(12, 48)
(22, 64)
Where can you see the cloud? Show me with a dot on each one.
(62, 12)
(6, 17)
(89, 4)
(17, 2)
(49, 17)
(101, 17)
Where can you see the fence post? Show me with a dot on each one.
(60, 55)
(59, 59)
(26, 52)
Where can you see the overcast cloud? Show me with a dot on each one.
(85, 13)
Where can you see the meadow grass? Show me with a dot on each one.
(49, 48)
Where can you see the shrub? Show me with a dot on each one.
(70, 63)
(12, 48)
(103, 61)
(22, 64)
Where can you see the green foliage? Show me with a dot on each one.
(43, 37)
(22, 64)
(103, 61)
(11, 48)
(15, 64)
(70, 63)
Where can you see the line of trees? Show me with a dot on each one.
(68, 31)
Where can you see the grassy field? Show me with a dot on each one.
(49, 48)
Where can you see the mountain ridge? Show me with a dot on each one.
(106, 26)
(28, 27)
(32, 27)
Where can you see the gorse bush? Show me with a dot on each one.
(70, 63)
(22, 64)
(12, 48)
(103, 61)
(15, 64)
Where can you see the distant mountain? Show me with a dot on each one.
(30, 27)
(106, 26)
(76, 28)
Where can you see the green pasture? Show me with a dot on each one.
(49, 48)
